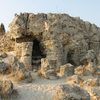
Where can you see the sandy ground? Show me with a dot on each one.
(40, 89)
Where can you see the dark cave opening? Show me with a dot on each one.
(69, 57)
(37, 54)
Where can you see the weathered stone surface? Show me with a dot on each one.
(93, 90)
(89, 57)
(4, 67)
(10, 62)
(26, 56)
(70, 92)
(97, 71)
(75, 79)
(61, 38)
(46, 70)
(6, 44)
(95, 93)
(6, 89)
(28, 77)
(52, 46)
(91, 81)
(66, 70)
(88, 69)
(79, 70)
(10, 65)
(3, 55)
(66, 39)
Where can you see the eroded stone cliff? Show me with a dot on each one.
(65, 39)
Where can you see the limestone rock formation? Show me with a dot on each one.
(74, 79)
(10, 65)
(6, 89)
(3, 67)
(59, 38)
(46, 70)
(68, 92)
(66, 70)
(6, 44)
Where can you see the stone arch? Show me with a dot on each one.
(32, 50)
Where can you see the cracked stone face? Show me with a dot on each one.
(62, 39)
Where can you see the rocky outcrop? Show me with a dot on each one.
(6, 89)
(4, 67)
(68, 92)
(10, 65)
(66, 70)
(46, 70)
(87, 78)
(63, 37)
(6, 44)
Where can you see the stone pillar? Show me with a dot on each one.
(26, 56)
(54, 53)
(54, 59)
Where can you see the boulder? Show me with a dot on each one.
(6, 88)
(3, 54)
(4, 67)
(28, 77)
(75, 79)
(19, 75)
(66, 70)
(85, 70)
(91, 81)
(46, 71)
(70, 92)
(79, 70)
(44, 67)
(95, 93)
(97, 71)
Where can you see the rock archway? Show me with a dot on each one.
(31, 51)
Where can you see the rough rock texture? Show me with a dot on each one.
(6, 89)
(66, 70)
(53, 45)
(87, 77)
(3, 67)
(6, 43)
(68, 92)
(65, 39)
(46, 70)
(10, 65)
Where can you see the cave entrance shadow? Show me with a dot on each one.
(37, 54)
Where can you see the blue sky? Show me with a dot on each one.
(88, 10)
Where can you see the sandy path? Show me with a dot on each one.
(40, 89)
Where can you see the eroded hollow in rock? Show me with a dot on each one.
(37, 53)
(69, 57)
